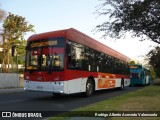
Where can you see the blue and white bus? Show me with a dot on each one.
(139, 75)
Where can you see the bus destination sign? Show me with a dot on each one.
(46, 43)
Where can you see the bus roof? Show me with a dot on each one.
(134, 66)
(79, 37)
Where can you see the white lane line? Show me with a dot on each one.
(14, 101)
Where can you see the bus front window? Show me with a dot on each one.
(53, 59)
(33, 59)
(45, 54)
(45, 59)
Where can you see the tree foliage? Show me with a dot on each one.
(154, 60)
(153, 74)
(140, 17)
(132, 62)
(2, 14)
(14, 29)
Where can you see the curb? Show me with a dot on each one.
(11, 90)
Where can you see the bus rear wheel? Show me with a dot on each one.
(89, 88)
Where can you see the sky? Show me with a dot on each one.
(51, 15)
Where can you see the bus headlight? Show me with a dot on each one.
(27, 77)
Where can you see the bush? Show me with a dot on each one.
(21, 70)
(156, 81)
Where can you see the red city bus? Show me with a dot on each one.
(68, 61)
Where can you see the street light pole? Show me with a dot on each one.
(17, 63)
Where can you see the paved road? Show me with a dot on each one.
(37, 101)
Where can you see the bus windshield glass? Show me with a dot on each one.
(135, 71)
(46, 54)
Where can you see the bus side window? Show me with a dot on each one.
(75, 55)
(68, 49)
(70, 61)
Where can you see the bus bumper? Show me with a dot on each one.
(53, 87)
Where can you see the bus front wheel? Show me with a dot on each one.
(89, 88)
(57, 94)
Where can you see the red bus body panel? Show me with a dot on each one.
(83, 39)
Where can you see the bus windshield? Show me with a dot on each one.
(45, 55)
(135, 72)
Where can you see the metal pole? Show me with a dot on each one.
(17, 71)
(17, 63)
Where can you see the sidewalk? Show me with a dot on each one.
(11, 90)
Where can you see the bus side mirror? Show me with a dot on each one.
(68, 49)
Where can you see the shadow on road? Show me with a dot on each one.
(97, 94)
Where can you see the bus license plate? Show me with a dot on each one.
(40, 87)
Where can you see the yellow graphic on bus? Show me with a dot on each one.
(105, 81)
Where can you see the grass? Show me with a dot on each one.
(146, 99)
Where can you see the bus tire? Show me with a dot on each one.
(57, 94)
(89, 88)
(145, 82)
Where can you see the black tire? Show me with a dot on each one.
(57, 94)
(144, 83)
(89, 88)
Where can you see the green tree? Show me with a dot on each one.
(2, 14)
(139, 17)
(14, 29)
(153, 74)
(154, 60)
(132, 62)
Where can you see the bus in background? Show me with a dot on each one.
(68, 61)
(139, 75)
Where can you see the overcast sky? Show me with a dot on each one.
(50, 15)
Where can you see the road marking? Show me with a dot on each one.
(15, 101)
